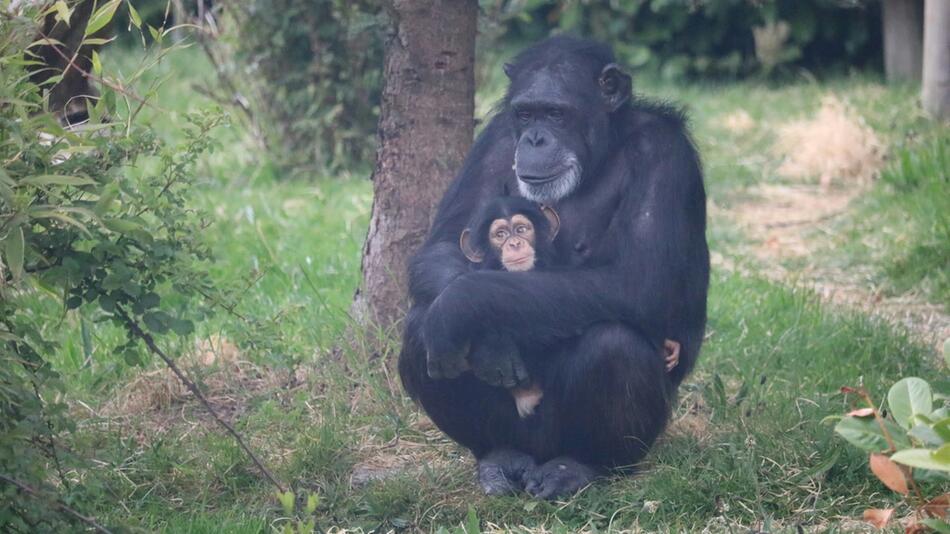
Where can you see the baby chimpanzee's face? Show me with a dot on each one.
(514, 241)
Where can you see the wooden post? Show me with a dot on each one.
(903, 23)
(936, 85)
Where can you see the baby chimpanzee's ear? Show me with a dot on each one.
(554, 222)
(473, 254)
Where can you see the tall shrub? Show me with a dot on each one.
(93, 220)
(315, 69)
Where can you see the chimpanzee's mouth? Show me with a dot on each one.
(537, 180)
(549, 188)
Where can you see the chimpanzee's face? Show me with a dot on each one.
(561, 119)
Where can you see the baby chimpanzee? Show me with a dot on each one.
(515, 234)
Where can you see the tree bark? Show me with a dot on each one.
(936, 86)
(903, 39)
(425, 129)
(70, 97)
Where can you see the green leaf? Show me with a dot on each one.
(107, 302)
(106, 198)
(312, 501)
(96, 64)
(909, 397)
(942, 428)
(13, 251)
(97, 41)
(73, 302)
(943, 455)
(946, 352)
(862, 433)
(63, 13)
(924, 458)
(937, 524)
(157, 321)
(101, 17)
(56, 179)
(182, 327)
(121, 226)
(472, 525)
(134, 16)
(926, 435)
(287, 502)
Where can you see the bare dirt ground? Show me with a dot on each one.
(790, 225)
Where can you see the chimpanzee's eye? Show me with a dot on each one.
(521, 229)
(501, 234)
(555, 114)
(523, 115)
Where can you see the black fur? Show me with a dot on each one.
(633, 270)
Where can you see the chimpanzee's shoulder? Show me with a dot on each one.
(650, 115)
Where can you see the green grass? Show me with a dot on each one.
(902, 228)
(749, 448)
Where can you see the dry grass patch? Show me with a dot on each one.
(227, 380)
(834, 145)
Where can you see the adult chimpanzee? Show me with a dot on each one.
(634, 269)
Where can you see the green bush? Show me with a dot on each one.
(316, 69)
(93, 221)
(706, 37)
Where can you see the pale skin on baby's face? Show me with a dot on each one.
(514, 240)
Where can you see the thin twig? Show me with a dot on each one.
(136, 330)
(55, 502)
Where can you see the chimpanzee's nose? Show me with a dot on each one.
(535, 138)
(514, 244)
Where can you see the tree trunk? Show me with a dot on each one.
(70, 58)
(936, 90)
(903, 39)
(425, 130)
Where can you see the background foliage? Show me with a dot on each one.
(707, 38)
(92, 219)
(316, 70)
(310, 72)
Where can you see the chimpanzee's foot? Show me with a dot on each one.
(502, 471)
(562, 476)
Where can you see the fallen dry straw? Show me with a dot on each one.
(835, 145)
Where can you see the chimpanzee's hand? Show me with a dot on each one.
(446, 357)
(497, 361)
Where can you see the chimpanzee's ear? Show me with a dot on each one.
(554, 222)
(615, 86)
(509, 70)
(465, 242)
